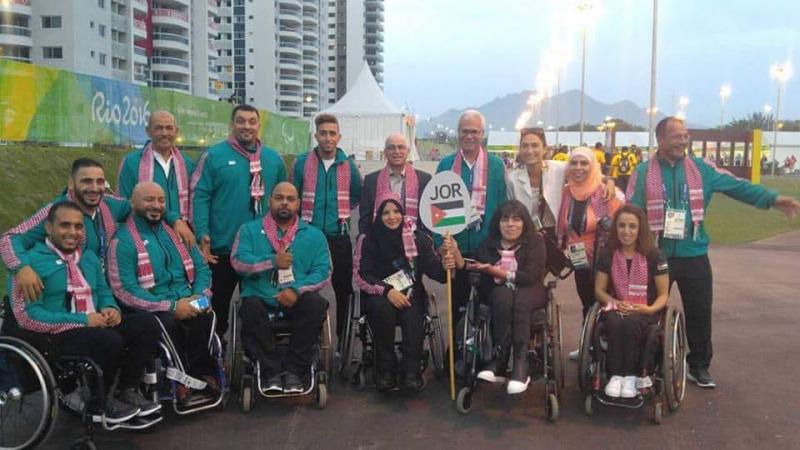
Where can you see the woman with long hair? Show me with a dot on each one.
(512, 261)
(389, 262)
(632, 284)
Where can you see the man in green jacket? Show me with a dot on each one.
(228, 189)
(151, 270)
(78, 314)
(159, 161)
(284, 263)
(485, 175)
(330, 186)
(86, 187)
(675, 190)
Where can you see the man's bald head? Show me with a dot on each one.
(149, 202)
(396, 151)
(162, 128)
(284, 203)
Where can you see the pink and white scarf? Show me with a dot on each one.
(146, 165)
(655, 194)
(508, 261)
(256, 184)
(144, 268)
(630, 285)
(77, 286)
(310, 189)
(411, 203)
(480, 178)
(271, 230)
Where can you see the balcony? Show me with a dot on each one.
(291, 32)
(162, 16)
(171, 41)
(290, 17)
(311, 75)
(290, 48)
(291, 4)
(17, 7)
(166, 84)
(14, 35)
(213, 9)
(311, 64)
(120, 49)
(169, 64)
(310, 20)
(213, 27)
(311, 5)
(139, 5)
(140, 28)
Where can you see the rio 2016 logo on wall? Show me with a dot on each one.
(127, 112)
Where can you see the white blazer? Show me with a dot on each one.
(518, 186)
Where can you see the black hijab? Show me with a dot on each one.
(388, 242)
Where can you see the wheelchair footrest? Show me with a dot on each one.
(631, 403)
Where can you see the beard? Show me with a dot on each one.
(283, 215)
(150, 216)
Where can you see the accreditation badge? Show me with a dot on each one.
(400, 280)
(285, 278)
(577, 255)
(675, 224)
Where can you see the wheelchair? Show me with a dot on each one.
(358, 352)
(246, 373)
(545, 356)
(35, 379)
(669, 374)
(168, 373)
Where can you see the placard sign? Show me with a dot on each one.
(445, 204)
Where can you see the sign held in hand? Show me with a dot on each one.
(445, 204)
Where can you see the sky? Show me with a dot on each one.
(442, 54)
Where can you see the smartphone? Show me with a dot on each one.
(201, 303)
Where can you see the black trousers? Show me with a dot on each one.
(306, 318)
(584, 283)
(342, 277)
(695, 284)
(382, 317)
(191, 337)
(126, 348)
(511, 312)
(461, 288)
(628, 351)
(224, 281)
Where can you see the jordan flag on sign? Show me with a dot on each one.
(445, 214)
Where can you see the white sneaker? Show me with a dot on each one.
(644, 383)
(517, 387)
(629, 387)
(573, 356)
(614, 386)
(488, 376)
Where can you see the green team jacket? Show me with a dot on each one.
(221, 200)
(714, 180)
(169, 275)
(51, 314)
(326, 212)
(253, 258)
(469, 239)
(129, 178)
(16, 243)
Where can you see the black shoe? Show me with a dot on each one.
(133, 397)
(384, 381)
(292, 384)
(116, 411)
(412, 382)
(273, 383)
(701, 378)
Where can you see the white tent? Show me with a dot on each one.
(367, 117)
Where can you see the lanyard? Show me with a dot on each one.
(582, 228)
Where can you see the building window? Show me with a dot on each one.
(51, 21)
(52, 53)
(101, 30)
(101, 4)
(102, 59)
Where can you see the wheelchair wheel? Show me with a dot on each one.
(322, 395)
(237, 368)
(464, 400)
(585, 350)
(346, 343)
(246, 392)
(556, 353)
(83, 444)
(588, 404)
(674, 354)
(658, 413)
(28, 405)
(552, 407)
(325, 352)
(436, 344)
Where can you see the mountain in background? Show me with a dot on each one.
(502, 112)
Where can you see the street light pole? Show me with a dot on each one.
(558, 100)
(583, 83)
(775, 129)
(653, 65)
(724, 93)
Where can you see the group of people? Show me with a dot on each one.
(103, 276)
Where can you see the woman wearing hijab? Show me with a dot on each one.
(583, 215)
(388, 265)
(632, 283)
